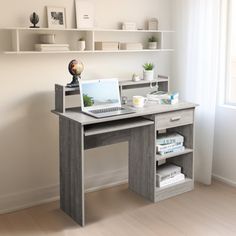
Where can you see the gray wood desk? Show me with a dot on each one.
(79, 132)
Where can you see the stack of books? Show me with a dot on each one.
(131, 46)
(52, 47)
(107, 46)
(163, 97)
(168, 174)
(169, 142)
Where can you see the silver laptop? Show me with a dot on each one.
(101, 98)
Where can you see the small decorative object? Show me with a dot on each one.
(47, 38)
(81, 44)
(135, 78)
(129, 26)
(75, 67)
(56, 17)
(153, 24)
(152, 43)
(34, 19)
(124, 100)
(84, 14)
(148, 72)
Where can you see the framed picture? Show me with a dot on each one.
(56, 17)
(84, 14)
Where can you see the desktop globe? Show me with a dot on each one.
(75, 67)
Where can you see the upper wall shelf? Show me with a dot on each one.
(24, 39)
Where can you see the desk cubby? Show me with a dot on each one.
(182, 122)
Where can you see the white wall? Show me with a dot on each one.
(28, 131)
(224, 162)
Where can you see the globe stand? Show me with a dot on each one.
(75, 81)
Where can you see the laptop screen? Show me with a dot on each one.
(100, 93)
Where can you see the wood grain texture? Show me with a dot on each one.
(174, 119)
(142, 163)
(59, 98)
(72, 169)
(116, 126)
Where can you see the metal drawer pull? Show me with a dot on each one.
(175, 118)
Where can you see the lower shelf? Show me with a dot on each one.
(174, 189)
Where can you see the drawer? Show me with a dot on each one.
(174, 119)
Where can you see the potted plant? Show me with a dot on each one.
(148, 72)
(152, 43)
(81, 44)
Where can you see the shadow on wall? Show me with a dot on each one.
(29, 141)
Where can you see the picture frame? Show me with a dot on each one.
(56, 17)
(84, 14)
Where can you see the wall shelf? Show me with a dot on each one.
(24, 39)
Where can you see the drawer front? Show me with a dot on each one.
(174, 119)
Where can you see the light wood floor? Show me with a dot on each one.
(119, 212)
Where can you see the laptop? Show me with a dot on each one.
(101, 98)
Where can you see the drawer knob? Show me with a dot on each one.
(175, 118)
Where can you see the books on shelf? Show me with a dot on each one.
(131, 46)
(168, 143)
(174, 180)
(168, 174)
(107, 46)
(168, 138)
(164, 98)
(52, 47)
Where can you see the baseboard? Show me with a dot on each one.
(224, 180)
(18, 201)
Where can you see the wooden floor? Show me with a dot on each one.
(119, 212)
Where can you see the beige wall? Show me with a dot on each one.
(28, 131)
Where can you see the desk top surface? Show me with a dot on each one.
(149, 109)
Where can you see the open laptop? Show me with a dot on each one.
(101, 98)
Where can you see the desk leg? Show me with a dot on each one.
(72, 169)
(142, 163)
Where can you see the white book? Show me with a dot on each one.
(174, 180)
(168, 138)
(167, 171)
(172, 150)
(167, 147)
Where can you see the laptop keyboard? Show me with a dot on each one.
(107, 110)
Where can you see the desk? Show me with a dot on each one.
(79, 132)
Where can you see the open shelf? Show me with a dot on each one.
(24, 39)
(174, 189)
(173, 154)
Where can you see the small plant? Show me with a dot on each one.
(148, 66)
(81, 39)
(152, 39)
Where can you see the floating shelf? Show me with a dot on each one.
(173, 154)
(24, 39)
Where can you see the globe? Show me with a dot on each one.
(75, 67)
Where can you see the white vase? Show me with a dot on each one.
(152, 45)
(81, 45)
(148, 75)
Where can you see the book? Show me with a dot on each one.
(163, 97)
(52, 47)
(168, 138)
(167, 171)
(166, 147)
(106, 46)
(174, 180)
(131, 46)
(176, 149)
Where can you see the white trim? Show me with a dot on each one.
(38, 196)
(224, 180)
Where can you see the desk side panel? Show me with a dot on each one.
(142, 161)
(72, 169)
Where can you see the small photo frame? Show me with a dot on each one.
(56, 17)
